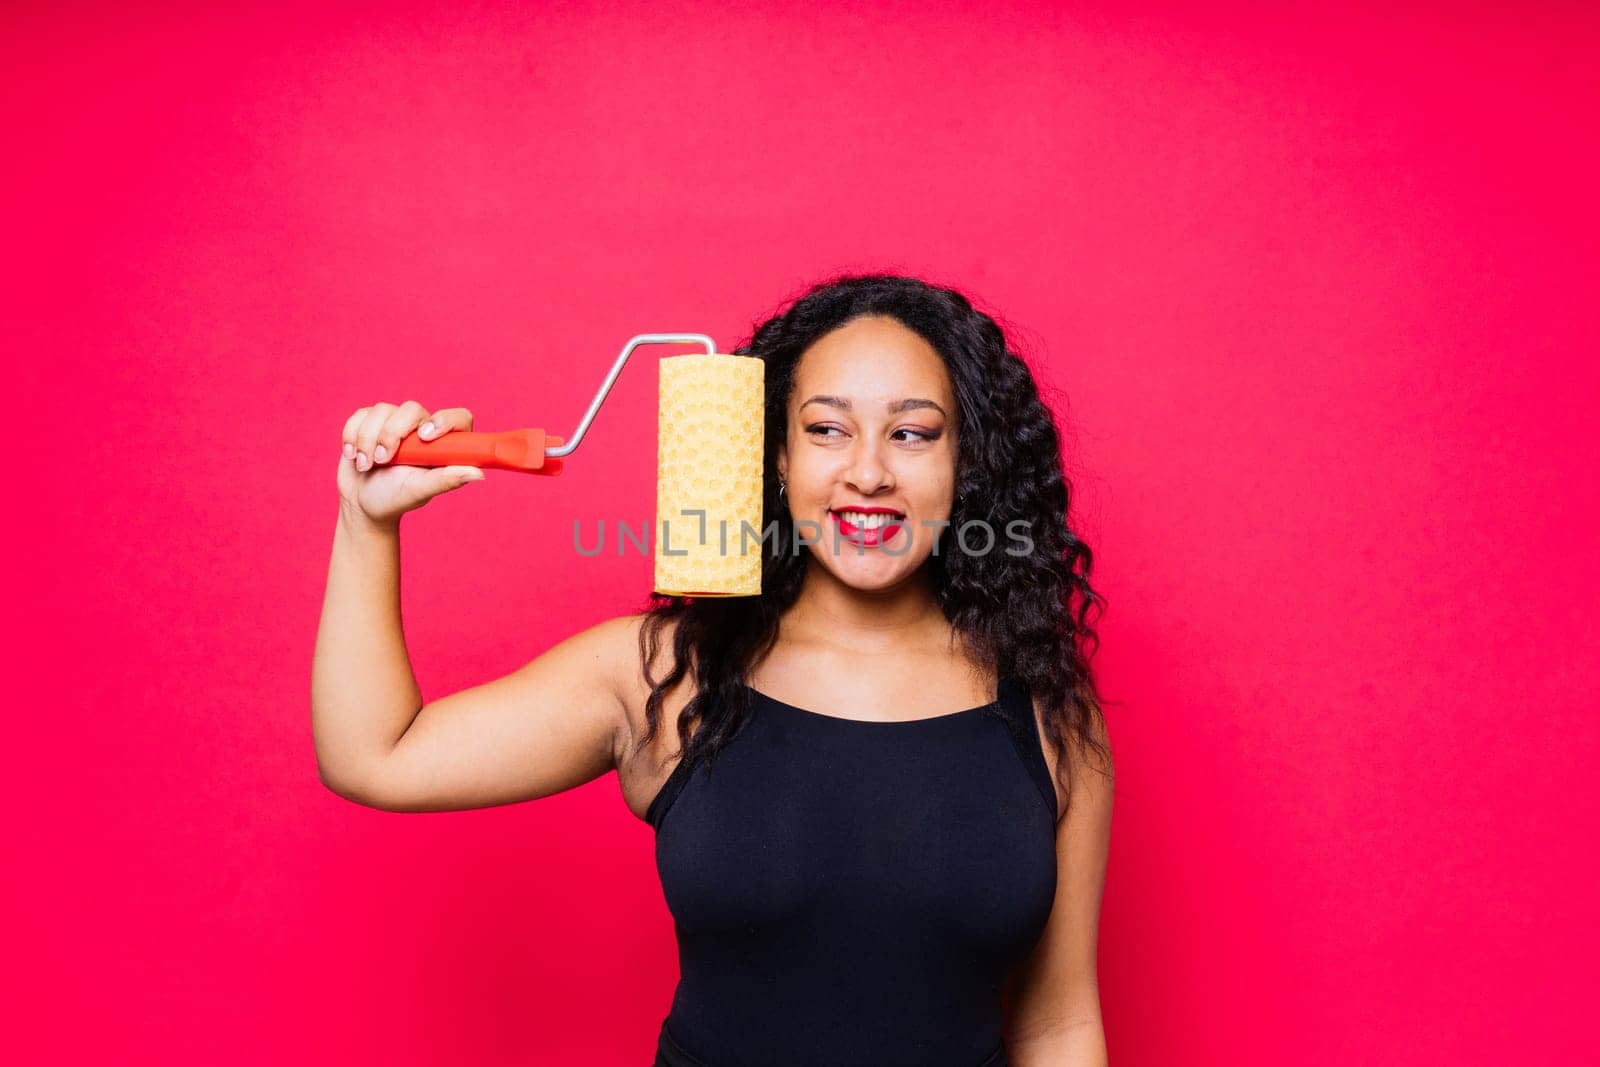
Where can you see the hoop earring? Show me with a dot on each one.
(782, 486)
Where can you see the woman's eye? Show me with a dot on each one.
(821, 430)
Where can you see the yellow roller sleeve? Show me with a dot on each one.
(710, 460)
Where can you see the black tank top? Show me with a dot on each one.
(855, 892)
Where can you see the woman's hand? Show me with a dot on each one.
(370, 489)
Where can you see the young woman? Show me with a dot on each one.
(881, 790)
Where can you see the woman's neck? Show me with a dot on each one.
(829, 612)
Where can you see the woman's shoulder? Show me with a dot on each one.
(640, 639)
(619, 648)
(626, 633)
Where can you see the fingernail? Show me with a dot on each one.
(380, 453)
(361, 461)
(427, 429)
(349, 450)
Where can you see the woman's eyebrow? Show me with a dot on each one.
(910, 403)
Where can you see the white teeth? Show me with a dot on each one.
(866, 521)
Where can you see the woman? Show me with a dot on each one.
(881, 790)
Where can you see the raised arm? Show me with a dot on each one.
(551, 725)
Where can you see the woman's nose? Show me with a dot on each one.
(868, 472)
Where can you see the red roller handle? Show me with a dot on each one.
(508, 450)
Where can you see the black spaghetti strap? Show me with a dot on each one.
(667, 794)
(1016, 706)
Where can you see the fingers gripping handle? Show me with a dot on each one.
(508, 450)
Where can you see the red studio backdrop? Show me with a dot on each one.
(1312, 295)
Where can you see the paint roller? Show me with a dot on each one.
(710, 422)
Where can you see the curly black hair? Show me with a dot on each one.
(1027, 617)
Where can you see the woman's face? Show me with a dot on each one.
(872, 426)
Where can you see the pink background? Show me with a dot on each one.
(1319, 290)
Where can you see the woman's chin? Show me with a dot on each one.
(867, 568)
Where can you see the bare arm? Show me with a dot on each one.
(1056, 1015)
(545, 728)
(554, 724)
(363, 693)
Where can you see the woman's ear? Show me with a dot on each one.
(783, 462)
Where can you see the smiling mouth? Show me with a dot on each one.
(869, 528)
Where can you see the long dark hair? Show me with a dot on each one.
(1026, 617)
